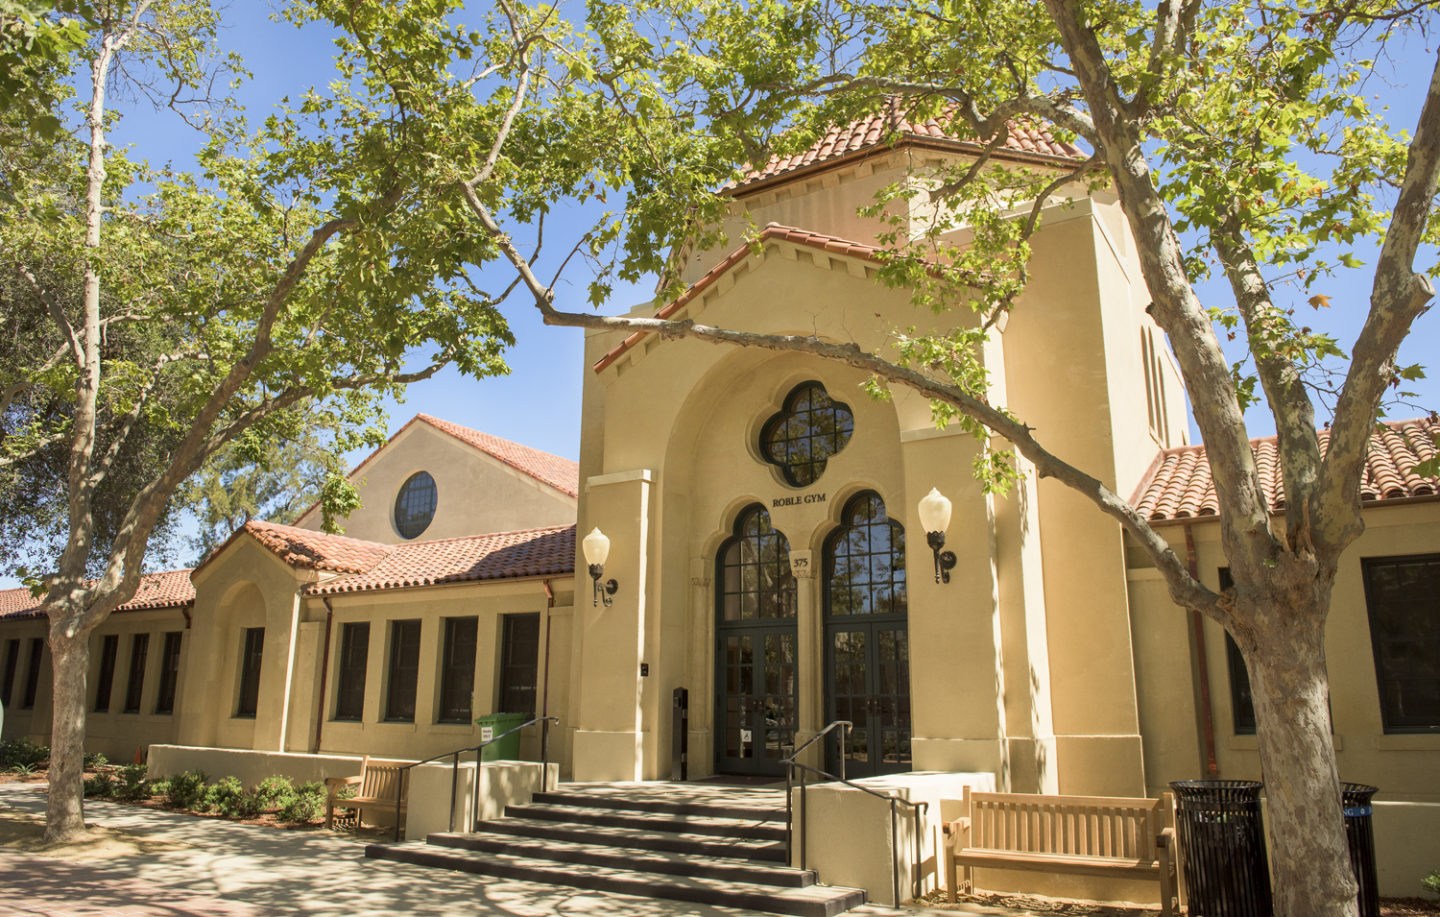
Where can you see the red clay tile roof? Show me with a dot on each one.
(832, 244)
(316, 550)
(560, 473)
(1179, 486)
(894, 127)
(500, 555)
(170, 589)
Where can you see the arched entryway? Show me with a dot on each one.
(755, 648)
(867, 639)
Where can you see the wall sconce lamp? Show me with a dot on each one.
(935, 519)
(597, 550)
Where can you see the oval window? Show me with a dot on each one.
(415, 504)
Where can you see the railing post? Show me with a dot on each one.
(895, 857)
(789, 815)
(399, 795)
(475, 792)
(454, 779)
(545, 755)
(804, 820)
(844, 749)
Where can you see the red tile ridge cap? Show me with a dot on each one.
(772, 230)
(311, 549)
(552, 470)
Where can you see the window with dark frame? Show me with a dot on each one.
(109, 649)
(1402, 599)
(753, 571)
(251, 656)
(350, 682)
(404, 671)
(169, 673)
(32, 672)
(415, 504)
(808, 430)
(135, 686)
(519, 662)
(1242, 703)
(12, 660)
(457, 670)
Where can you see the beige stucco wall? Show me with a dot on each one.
(474, 492)
(247, 586)
(1407, 819)
(1038, 605)
(116, 734)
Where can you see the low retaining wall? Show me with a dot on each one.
(502, 783)
(850, 838)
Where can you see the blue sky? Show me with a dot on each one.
(539, 402)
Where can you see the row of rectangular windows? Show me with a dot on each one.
(109, 650)
(520, 644)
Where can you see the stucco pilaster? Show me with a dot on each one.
(611, 728)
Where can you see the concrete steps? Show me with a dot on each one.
(682, 842)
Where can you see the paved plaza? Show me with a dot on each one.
(204, 867)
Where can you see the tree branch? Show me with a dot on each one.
(57, 314)
(1398, 297)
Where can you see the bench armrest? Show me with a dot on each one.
(1166, 839)
(334, 784)
(960, 826)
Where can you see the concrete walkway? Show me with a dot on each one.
(213, 868)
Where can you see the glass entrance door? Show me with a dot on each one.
(869, 666)
(867, 640)
(755, 639)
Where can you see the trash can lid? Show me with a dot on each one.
(1217, 790)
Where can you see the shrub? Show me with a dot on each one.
(101, 786)
(186, 790)
(271, 793)
(224, 797)
(22, 751)
(160, 787)
(306, 805)
(94, 761)
(133, 785)
(1432, 882)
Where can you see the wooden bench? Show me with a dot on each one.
(380, 786)
(1087, 835)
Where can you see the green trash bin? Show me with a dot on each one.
(508, 748)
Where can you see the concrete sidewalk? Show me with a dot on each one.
(212, 867)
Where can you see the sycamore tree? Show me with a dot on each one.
(158, 315)
(1243, 150)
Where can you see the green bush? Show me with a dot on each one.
(269, 794)
(101, 786)
(306, 805)
(94, 761)
(15, 752)
(186, 790)
(222, 797)
(160, 787)
(133, 785)
(1432, 882)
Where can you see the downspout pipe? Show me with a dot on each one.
(324, 673)
(1202, 664)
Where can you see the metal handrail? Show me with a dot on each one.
(454, 757)
(892, 798)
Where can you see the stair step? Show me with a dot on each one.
(655, 861)
(657, 821)
(753, 813)
(639, 838)
(812, 901)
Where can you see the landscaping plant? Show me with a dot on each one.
(306, 804)
(186, 790)
(223, 797)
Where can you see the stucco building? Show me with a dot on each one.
(769, 560)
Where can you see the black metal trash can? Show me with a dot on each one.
(1360, 832)
(1222, 843)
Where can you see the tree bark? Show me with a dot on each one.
(1310, 860)
(65, 806)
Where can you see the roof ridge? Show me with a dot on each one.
(478, 535)
(554, 478)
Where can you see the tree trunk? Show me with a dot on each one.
(65, 811)
(1310, 861)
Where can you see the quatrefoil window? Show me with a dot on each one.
(809, 429)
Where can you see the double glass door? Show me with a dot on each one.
(868, 668)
